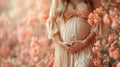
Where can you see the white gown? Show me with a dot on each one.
(75, 28)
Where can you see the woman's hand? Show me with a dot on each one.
(76, 46)
(96, 28)
(68, 46)
(65, 45)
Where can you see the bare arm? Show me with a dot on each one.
(80, 44)
(90, 37)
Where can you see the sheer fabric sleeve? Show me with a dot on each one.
(51, 24)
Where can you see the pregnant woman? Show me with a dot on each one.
(67, 24)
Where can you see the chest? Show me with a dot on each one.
(80, 10)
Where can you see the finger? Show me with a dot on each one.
(76, 51)
(71, 50)
(73, 46)
(96, 27)
(66, 47)
(73, 42)
(69, 44)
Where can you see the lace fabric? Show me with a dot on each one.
(81, 11)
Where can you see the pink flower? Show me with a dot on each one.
(106, 19)
(96, 49)
(29, 4)
(97, 43)
(110, 38)
(114, 43)
(104, 42)
(115, 25)
(97, 19)
(117, 1)
(4, 51)
(105, 4)
(118, 64)
(114, 52)
(36, 41)
(6, 64)
(112, 14)
(34, 50)
(90, 22)
(42, 63)
(96, 62)
(50, 64)
(44, 10)
(99, 10)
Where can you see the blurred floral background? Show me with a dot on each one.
(23, 35)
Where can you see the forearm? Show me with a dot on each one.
(90, 37)
(60, 42)
(88, 40)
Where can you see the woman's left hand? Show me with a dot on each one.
(76, 46)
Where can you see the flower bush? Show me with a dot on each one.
(23, 36)
(106, 49)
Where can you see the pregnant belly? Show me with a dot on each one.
(75, 29)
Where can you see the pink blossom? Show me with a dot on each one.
(118, 64)
(6, 64)
(36, 41)
(114, 25)
(97, 43)
(29, 4)
(90, 22)
(4, 51)
(114, 53)
(96, 62)
(106, 19)
(99, 10)
(110, 38)
(117, 1)
(97, 19)
(112, 14)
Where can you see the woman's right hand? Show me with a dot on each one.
(76, 46)
(65, 45)
(68, 46)
(96, 29)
